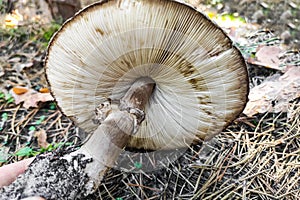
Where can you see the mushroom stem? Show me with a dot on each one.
(55, 177)
(109, 139)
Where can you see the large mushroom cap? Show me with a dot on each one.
(201, 78)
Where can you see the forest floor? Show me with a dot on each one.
(256, 157)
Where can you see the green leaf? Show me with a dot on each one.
(2, 95)
(32, 128)
(52, 106)
(138, 165)
(50, 31)
(40, 120)
(9, 98)
(25, 151)
(50, 147)
(2, 159)
(4, 116)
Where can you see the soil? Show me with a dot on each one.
(51, 176)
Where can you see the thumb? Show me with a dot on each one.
(33, 198)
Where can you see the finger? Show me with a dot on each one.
(8, 173)
(33, 198)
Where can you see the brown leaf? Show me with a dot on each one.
(20, 90)
(31, 98)
(41, 138)
(274, 94)
(44, 90)
(267, 56)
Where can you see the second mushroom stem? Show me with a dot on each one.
(108, 140)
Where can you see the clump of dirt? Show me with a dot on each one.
(52, 177)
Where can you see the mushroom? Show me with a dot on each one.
(151, 74)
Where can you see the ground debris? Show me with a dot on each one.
(52, 177)
(31, 98)
(268, 56)
(275, 93)
(243, 162)
(41, 138)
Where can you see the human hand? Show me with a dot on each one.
(8, 173)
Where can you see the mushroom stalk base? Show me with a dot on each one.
(109, 139)
(75, 175)
(106, 144)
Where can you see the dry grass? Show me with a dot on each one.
(243, 162)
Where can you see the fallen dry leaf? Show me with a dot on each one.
(20, 90)
(274, 93)
(41, 138)
(1, 71)
(12, 19)
(31, 98)
(44, 90)
(20, 66)
(268, 56)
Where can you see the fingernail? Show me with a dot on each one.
(33, 198)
